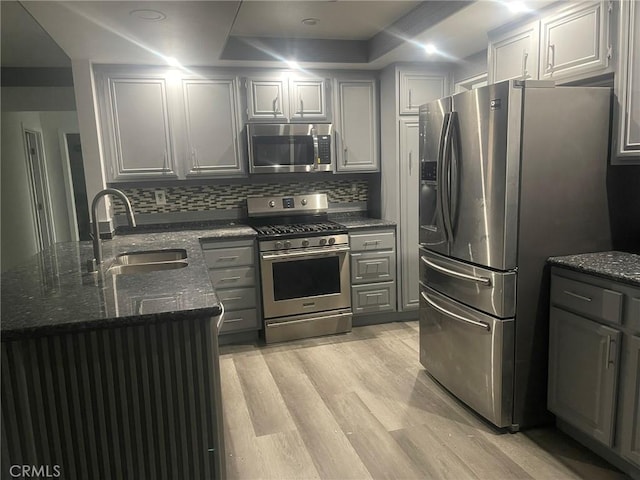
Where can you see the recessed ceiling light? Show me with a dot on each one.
(148, 15)
(430, 48)
(310, 21)
(173, 62)
(517, 7)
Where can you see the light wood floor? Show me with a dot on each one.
(360, 405)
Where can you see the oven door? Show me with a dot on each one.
(313, 280)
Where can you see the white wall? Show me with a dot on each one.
(471, 66)
(37, 99)
(18, 234)
(54, 125)
(18, 226)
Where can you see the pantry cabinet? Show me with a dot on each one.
(630, 442)
(418, 87)
(356, 125)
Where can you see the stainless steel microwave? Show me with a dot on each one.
(290, 147)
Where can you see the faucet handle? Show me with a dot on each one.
(92, 265)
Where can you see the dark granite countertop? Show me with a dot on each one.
(360, 222)
(53, 293)
(619, 266)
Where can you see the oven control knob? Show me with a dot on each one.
(272, 204)
(278, 245)
(332, 241)
(287, 244)
(323, 241)
(304, 201)
(305, 243)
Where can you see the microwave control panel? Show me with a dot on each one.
(324, 149)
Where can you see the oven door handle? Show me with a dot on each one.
(318, 252)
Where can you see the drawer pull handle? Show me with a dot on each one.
(230, 279)
(578, 296)
(232, 320)
(371, 242)
(486, 281)
(235, 257)
(373, 295)
(455, 316)
(231, 299)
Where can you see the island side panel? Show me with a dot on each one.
(127, 402)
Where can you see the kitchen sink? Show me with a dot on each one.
(151, 256)
(149, 261)
(145, 267)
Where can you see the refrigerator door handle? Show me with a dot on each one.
(463, 276)
(455, 316)
(441, 170)
(446, 177)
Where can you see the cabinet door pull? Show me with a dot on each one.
(551, 52)
(578, 296)
(410, 104)
(410, 161)
(301, 106)
(275, 105)
(608, 360)
(525, 57)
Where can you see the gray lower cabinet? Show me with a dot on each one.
(233, 275)
(373, 271)
(594, 363)
(630, 401)
(583, 373)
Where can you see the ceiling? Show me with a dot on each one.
(343, 33)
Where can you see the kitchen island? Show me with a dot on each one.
(113, 375)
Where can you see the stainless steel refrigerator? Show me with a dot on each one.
(511, 174)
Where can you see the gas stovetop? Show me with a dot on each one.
(299, 229)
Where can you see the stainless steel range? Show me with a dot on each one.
(304, 267)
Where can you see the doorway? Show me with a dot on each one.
(39, 189)
(78, 185)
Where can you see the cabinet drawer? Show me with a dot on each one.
(237, 298)
(597, 302)
(240, 320)
(371, 298)
(373, 267)
(372, 241)
(233, 277)
(229, 257)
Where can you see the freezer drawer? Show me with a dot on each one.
(469, 353)
(488, 291)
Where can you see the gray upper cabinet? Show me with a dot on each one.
(157, 127)
(279, 98)
(583, 369)
(630, 437)
(575, 41)
(267, 98)
(513, 54)
(409, 179)
(136, 128)
(308, 99)
(356, 125)
(626, 140)
(417, 88)
(212, 134)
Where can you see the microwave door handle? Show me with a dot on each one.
(316, 152)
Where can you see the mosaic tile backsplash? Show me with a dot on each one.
(197, 198)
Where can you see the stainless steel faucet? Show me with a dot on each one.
(95, 227)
